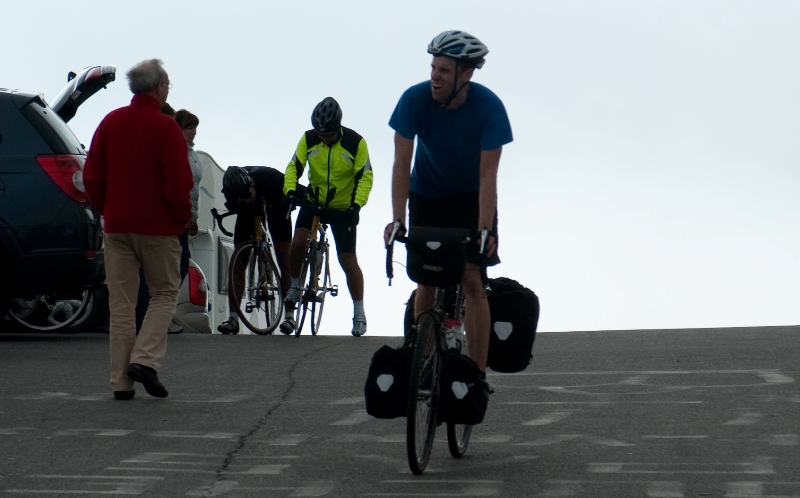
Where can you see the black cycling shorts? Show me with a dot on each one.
(280, 227)
(460, 211)
(344, 234)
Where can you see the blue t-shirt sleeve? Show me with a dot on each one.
(402, 120)
(496, 127)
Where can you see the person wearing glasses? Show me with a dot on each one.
(243, 189)
(340, 170)
(137, 175)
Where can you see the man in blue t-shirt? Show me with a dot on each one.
(461, 128)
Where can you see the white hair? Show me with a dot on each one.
(145, 76)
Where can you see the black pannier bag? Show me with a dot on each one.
(386, 389)
(436, 256)
(515, 315)
(463, 398)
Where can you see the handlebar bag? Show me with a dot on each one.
(386, 389)
(514, 317)
(436, 256)
(463, 398)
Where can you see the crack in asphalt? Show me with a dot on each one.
(222, 470)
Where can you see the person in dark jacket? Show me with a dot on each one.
(137, 176)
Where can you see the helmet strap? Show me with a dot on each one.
(456, 88)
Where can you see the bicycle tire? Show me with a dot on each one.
(59, 310)
(458, 438)
(423, 394)
(260, 306)
(318, 304)
(306, 277)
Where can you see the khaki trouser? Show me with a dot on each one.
(159, 256)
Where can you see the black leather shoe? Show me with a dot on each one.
(124, 395)
(148, 377)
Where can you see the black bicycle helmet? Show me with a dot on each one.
(236, 184)
(327, 116)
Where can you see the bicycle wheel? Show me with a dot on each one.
(423, 394)
(458, 438)
(255, 280)
(301, 307)
(50, 312)
(318, 302)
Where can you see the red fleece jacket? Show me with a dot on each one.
(137, 172)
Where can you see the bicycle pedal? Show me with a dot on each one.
(334, 290)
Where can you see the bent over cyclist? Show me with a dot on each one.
(460, 127)
(243, 189)
(340, 171)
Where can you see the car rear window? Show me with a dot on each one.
(52, 128)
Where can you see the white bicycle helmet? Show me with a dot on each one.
(459, 45)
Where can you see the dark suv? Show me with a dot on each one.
(50, 237)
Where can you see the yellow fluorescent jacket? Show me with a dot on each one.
(345, 167)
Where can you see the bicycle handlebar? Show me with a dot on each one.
(218, 221)
(390, 249)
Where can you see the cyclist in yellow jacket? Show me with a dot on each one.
(339, 169)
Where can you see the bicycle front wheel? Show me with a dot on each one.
(458, 438)
(423, 394)
(319, 296)
(255, 282)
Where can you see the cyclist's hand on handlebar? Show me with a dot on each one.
(387, 232)
(288, 203)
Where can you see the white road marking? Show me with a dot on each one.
(356, 417)
(561, 489)
(114, 432)
(289, 440)
(761, 465)
(562, 438)
(491, 439)
(162, 469)
(62, 476)
(744, 489)
(119, 491)
(784, 440)
(162, 457)
(548, 418)
(76, 432)
(665, 489)
(654, 436)
(602, 403)
(745, 418)
(348, 401)
(270, 469)
(467, 487)
(12, 431)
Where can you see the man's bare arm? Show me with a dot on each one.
(490, 163)
(401, 178)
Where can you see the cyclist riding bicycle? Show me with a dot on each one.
(242, 188)
(340, 170)
(460, 127)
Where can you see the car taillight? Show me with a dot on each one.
(67, 172)
(198, 293)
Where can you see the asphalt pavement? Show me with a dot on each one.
(674, 413)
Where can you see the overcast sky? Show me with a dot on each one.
(652, 182)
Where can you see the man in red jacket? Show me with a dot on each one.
(137, 175)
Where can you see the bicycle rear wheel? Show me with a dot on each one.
(318, 302)
(260, 304)
(458, 438)
(423, 394)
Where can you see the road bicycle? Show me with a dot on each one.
(315, 273)
(438, 329)
(254, 280)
